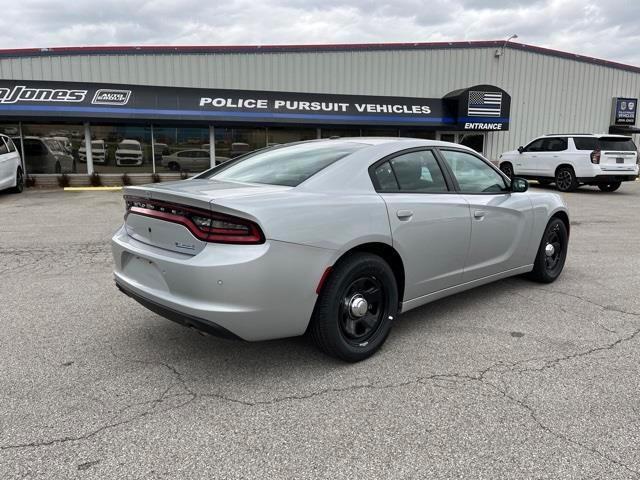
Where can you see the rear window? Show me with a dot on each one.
(585, 143)
(618, 144)
(288, 166)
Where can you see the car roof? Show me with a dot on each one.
(390, 141)
(585, 135)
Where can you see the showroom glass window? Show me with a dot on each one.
(233, 142)
(52, 148)
(339, 132)
(379, 132)
(120, 149)
(418, 133)
(182, 149)
(473, 174)
(280, 135)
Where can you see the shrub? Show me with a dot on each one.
(126, 180)
(184, 174)
(30, 181)
(95, 180)
(155, 178)
(63, 180)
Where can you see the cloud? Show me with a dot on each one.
(606, 29)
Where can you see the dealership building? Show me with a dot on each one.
(116, 110)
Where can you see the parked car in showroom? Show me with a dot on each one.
(332, 237)
(129, 153)
(98, 152)
(44, 155)
(66, 144)
(194, 160)
(11, 173)
(571, 160)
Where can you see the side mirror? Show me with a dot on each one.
(520, 149)
(519, 185)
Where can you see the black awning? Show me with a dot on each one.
(624, 129)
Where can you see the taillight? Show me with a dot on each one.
(205, 225)
(595, 156)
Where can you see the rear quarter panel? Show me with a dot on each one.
(545, 205)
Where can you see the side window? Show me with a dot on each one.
(535, 146)
(418, 172)
(585, 143)
(555, 144)
(3, 146)
(385, 178)
(11, 145)
(473, 174)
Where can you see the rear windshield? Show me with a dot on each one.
(289, 166)
(618, 144)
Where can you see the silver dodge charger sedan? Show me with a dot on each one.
(333, 238)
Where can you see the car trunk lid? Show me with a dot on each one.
(154, 220)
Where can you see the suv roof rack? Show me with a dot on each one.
(555, 134)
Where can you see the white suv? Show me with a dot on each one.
(570, 160)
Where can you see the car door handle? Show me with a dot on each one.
(479, 214)
(404, 214)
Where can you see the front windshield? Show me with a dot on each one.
(289, 166)
(129, 146)
(53, 145)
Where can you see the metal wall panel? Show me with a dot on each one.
(549, 94)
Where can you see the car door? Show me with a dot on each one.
(6, 173)
(430, 223)
(550, 156)
(501, 221)
(527, 162)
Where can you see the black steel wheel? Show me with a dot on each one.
(609, 187)
(356, 307)
(552, 252)
(507, 169)
(566, 180)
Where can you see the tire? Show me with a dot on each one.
(335, 328)
(19, 182)
(547, 267)
(566, 180)
(174, 167)
(609, 187)
(507, 169)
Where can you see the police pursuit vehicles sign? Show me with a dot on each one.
(482, 107)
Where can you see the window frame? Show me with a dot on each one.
(526, 147)
(439, 161)
(450, 173)
(548, 141)
(6, 145)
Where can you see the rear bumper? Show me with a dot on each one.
(179, 317)
(253, 292)
(608, 178)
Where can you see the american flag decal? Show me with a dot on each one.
(484, 104)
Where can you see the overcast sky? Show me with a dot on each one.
(608, 29)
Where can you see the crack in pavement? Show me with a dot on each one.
(451, 377)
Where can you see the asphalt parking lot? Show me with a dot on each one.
(511, 380)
